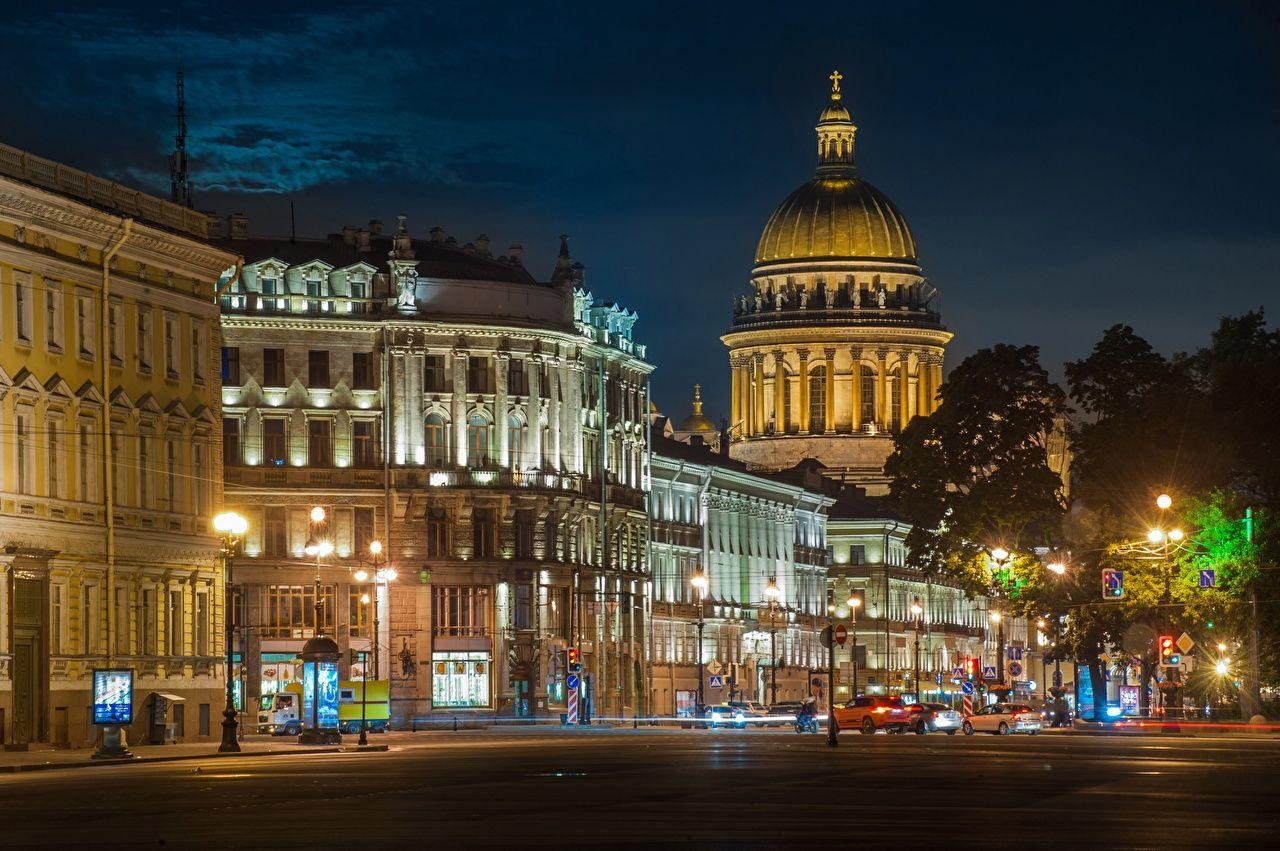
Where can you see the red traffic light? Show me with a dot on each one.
(1166, 646)
(575, 665)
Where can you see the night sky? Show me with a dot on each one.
(1063, 166)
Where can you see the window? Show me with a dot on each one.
(460, 611)
(515, 440)
(273, 532)
(90, 620)
(87, 492)
(434, 376)
(524, 533)
(362, 373)
(817, 400)
(174, 623)
(439, 533)
(144, 470)
(364, 444)
(148, 626)
(477, 441)
(53, 314)
(273, 442)
(868, 379)
(460, 679)
(171, 356)
(478, 374)
(289, 611)
(172, 490)
(231, 452)
(363, 528)
(199, 483)
(484, 530)
(197, 352)
(57, 616)
(318, 369)
(785, 425)
(524, 606)
(319, 443)
(360, 611)
(114, 311)
(85, 335)
(273, 367)
(231, 366)
(271, 287)
(22, 306)
(437, 449)
(143, 337)
(201, 618)
(117, 461)
(22, 437)
(516, 384)
(54, 464)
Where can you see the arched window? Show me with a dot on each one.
(477, 441)
(437, 450)
(868, 379)
(817, 400)
(515, 441)
(895, 397)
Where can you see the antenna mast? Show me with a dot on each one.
(179, 181)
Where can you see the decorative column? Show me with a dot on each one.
(502, 362)
(414, 450)
(398, 406)
(572, 411)
(804, 390)
(758, 396)
(553, 414)
(779, 392)
(904, 410)
(830, 355)
(735, 391)
(856, 419)
(458, 410)
(533, 376)
(882, 390)
(935, 380)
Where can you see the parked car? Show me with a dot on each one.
(724, 715)
(934, 718)
(1003, 719)
(869, 714)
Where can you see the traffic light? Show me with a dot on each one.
(1112, 584)
(575, 664)
(1167, 655)
(971, 668)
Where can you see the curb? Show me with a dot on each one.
(53, 766)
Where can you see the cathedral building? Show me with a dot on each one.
(485, 426)
(840, 341)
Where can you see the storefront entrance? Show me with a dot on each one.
(30, 661)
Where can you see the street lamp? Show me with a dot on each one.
(381, 574)
(1001, 557)
(231, 528)
(772, 592)
(700, 584)
(854, 601)
(917, 613)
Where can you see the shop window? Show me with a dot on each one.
(460, 679)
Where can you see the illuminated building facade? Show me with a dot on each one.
(110, 466)
(487, 427)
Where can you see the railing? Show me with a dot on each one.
(309, 477)
(910, 318)
(287, 304)
(96, 190)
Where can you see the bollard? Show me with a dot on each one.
(455, 723)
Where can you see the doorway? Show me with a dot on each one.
(30, 684)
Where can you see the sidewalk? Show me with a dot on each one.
(48, 758)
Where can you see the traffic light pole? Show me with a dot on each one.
(832, 741)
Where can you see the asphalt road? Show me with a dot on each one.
(707, 789)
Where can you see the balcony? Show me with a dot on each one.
(316, 307)
(793, 316)
(304, 477)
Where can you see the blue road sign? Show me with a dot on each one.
(1014, 652)
(1015, 669)
(957, 673)
(966, 687)
(1208, 579)
(571, 681)
(938, 678)
(989, 672)
(716, 681)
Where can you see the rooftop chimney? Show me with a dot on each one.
(482, 245)
(516, 253)
(362, 240)
(238, 226)
(213, 224)
(349, 234)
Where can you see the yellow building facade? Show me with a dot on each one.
(840, 341)
(110, 463)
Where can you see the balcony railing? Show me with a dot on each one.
(303, 477)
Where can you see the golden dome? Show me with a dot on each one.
(697, 421)
(836, 217)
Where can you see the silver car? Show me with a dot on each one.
(934, 718)
(1003, 719)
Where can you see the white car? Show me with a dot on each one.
(1003, 719)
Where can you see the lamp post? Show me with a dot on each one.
(381, 573)
(998, 620)
(1042, 640)
(230, 528)
(773, 593)
(700, 585)
(917, 613)
(854, 603)
(999, 579)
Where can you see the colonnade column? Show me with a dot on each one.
(779, 393)
(502, 363)
(757, 361)
(904, 409)
(935, 378)
(458, 412)
(533, 378)
(855, 356)
(804, 390)
(735, 391)
(830, 413)
(882, 390)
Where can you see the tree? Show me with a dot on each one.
(975, 473)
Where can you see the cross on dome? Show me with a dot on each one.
(835, 79)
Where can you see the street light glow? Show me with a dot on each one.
(995, 617)
(1163, 501)
(317, 514)
(228, 522)
(361, 575)
(1155, 536)
(375, 547)
(916, 609)
(1221, 667)
(771, 590)
(1058, 567)
(1000, 554)
(699, 580)
(1175, 534)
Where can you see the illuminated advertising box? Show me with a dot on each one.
(113, 696)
